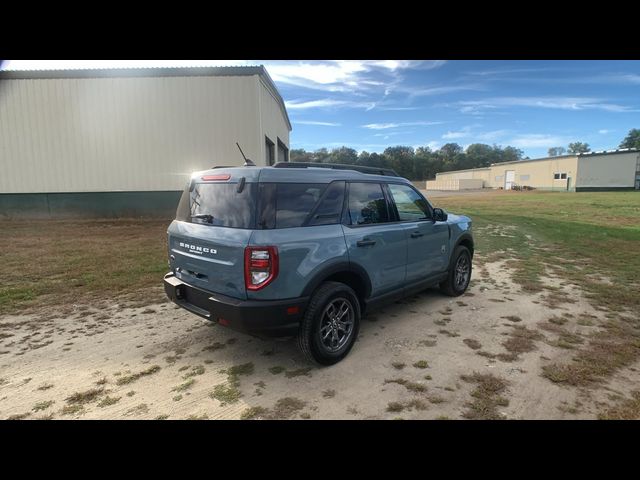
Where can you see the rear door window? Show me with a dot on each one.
(367, 204)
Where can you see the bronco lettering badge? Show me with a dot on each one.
(198, 249)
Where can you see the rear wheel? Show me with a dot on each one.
(330, 325)
(459, 274)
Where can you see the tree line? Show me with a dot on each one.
(423, 163)
(632, 140)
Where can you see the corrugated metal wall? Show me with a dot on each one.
(272, 127)
(126, 134)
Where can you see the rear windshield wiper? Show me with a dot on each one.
(204, 216)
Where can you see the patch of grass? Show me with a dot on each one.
(88, 396)
(398, 365)
(131, 393)
(486, 396)
(184, 386)
(71, 409)
(287, 407)
(427, 343)
(177, 398)
(44, 386)
(558, 320)
(19, 416)
(328, 394)
(43, 405)
(416, 403)
(243, 369)
(299, 372)
(628, 409)
(102, 381)
(213, 347)
(411, 386)
(435, 399)
(67, 249)
(421, 364)
(448, 333)
(512, 318)
(254, 412)
(202, 416)
(107, 401)
(521, 340)
(140, 409)
(395, 407)
(135, 376)
(614, 347)
(226, 394)
(197, 370)
(471, 343)
(162, 417)
(276, 370)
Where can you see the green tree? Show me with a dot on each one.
(343, 155)
(578, 147)
(401, 159)
(449, 151)
(480, 155)
(556, 151)
(632, 140)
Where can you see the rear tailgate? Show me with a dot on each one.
(209, 257)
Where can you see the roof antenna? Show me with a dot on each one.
(247, 162)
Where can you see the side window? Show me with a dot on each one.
(410, 205)
(330, 208)
(367, 204)
(294, 202)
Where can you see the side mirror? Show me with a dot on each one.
(439, 215)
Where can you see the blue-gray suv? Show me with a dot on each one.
(304, 250)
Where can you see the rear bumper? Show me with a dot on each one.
(263, 318)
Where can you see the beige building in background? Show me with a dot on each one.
(607, 170)
(125, 141)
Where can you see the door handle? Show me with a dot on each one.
(416, 234)
(365, 243)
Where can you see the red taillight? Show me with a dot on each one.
(260, 266)
(212, 178)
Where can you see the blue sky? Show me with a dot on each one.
(369, 105)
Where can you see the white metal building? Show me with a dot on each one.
(124, 141)
(606, 170)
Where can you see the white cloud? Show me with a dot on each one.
(563, 103)
(326, 103)
(470, 132)
(434, 145)
(313, 122)
(536, 140)
(384, 126)
(604, 131)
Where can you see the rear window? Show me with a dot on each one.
(219, 204)
(287, 205)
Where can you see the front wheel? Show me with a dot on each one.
(459, 274)
(330, 324)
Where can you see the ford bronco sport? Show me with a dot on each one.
(303, 250)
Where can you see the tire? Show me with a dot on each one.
(454, 285)
(329, 297)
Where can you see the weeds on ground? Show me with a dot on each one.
(486, 396)
(133, 377)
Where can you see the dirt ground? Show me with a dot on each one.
(426, 357)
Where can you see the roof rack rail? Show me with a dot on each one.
(339, 166)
